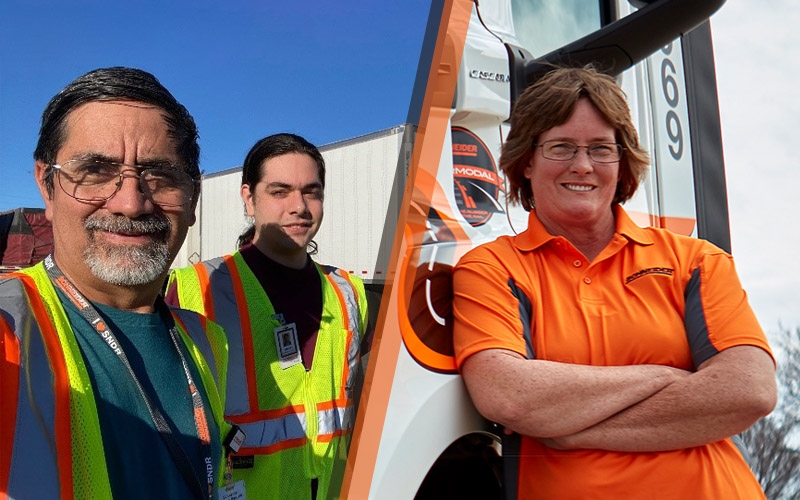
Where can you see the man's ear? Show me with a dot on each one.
(193, 206)
(247, 199)
(40, 173)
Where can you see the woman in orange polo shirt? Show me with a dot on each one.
(626, 357)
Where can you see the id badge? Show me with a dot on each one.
(233, 491)
(287, 345)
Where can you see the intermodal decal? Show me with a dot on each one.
(476, 183)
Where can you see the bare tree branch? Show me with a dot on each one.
(771, 441)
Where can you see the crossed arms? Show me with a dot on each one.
(632, 408)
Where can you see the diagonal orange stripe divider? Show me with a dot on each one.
(431, 133)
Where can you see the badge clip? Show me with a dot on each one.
(235, 439)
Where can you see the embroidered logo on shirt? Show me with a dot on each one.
(650, 270)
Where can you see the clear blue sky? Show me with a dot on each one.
(327, 70)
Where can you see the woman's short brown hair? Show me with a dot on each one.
(549, 103)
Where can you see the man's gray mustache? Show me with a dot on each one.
(125, 225)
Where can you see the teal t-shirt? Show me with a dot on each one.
(139, 462)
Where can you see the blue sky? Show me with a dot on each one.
(244, 69)
(335, 70)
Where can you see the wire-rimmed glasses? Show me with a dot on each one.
(93, 180)
(602, 152)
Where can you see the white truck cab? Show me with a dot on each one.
(417, 432)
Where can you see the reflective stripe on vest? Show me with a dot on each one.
(349, 300)
(275, 434)
(219, 303)
(334, 422)
(191, 322)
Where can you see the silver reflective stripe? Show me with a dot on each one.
(226, 312)
(350, 298)
(198, 335)
(335, 419)
(34, 471)
(274, 431)
(354, 325)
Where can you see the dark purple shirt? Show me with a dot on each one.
(295, 293)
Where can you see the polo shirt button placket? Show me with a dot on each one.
(587, 280)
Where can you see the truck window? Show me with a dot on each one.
(545, 25)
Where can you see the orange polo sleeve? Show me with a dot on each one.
(486, 306)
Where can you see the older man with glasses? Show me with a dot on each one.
(106, 391)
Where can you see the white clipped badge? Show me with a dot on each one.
(233, 491)
(287, 345)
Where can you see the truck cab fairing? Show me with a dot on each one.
(417, 406)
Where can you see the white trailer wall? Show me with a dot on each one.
(358, 198)
(220, 219)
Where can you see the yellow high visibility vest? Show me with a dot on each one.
(298, 422)
(49, 404)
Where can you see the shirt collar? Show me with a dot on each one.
(536, 235)
(629, 229)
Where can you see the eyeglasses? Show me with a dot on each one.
(605, 152)
(99, 180)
